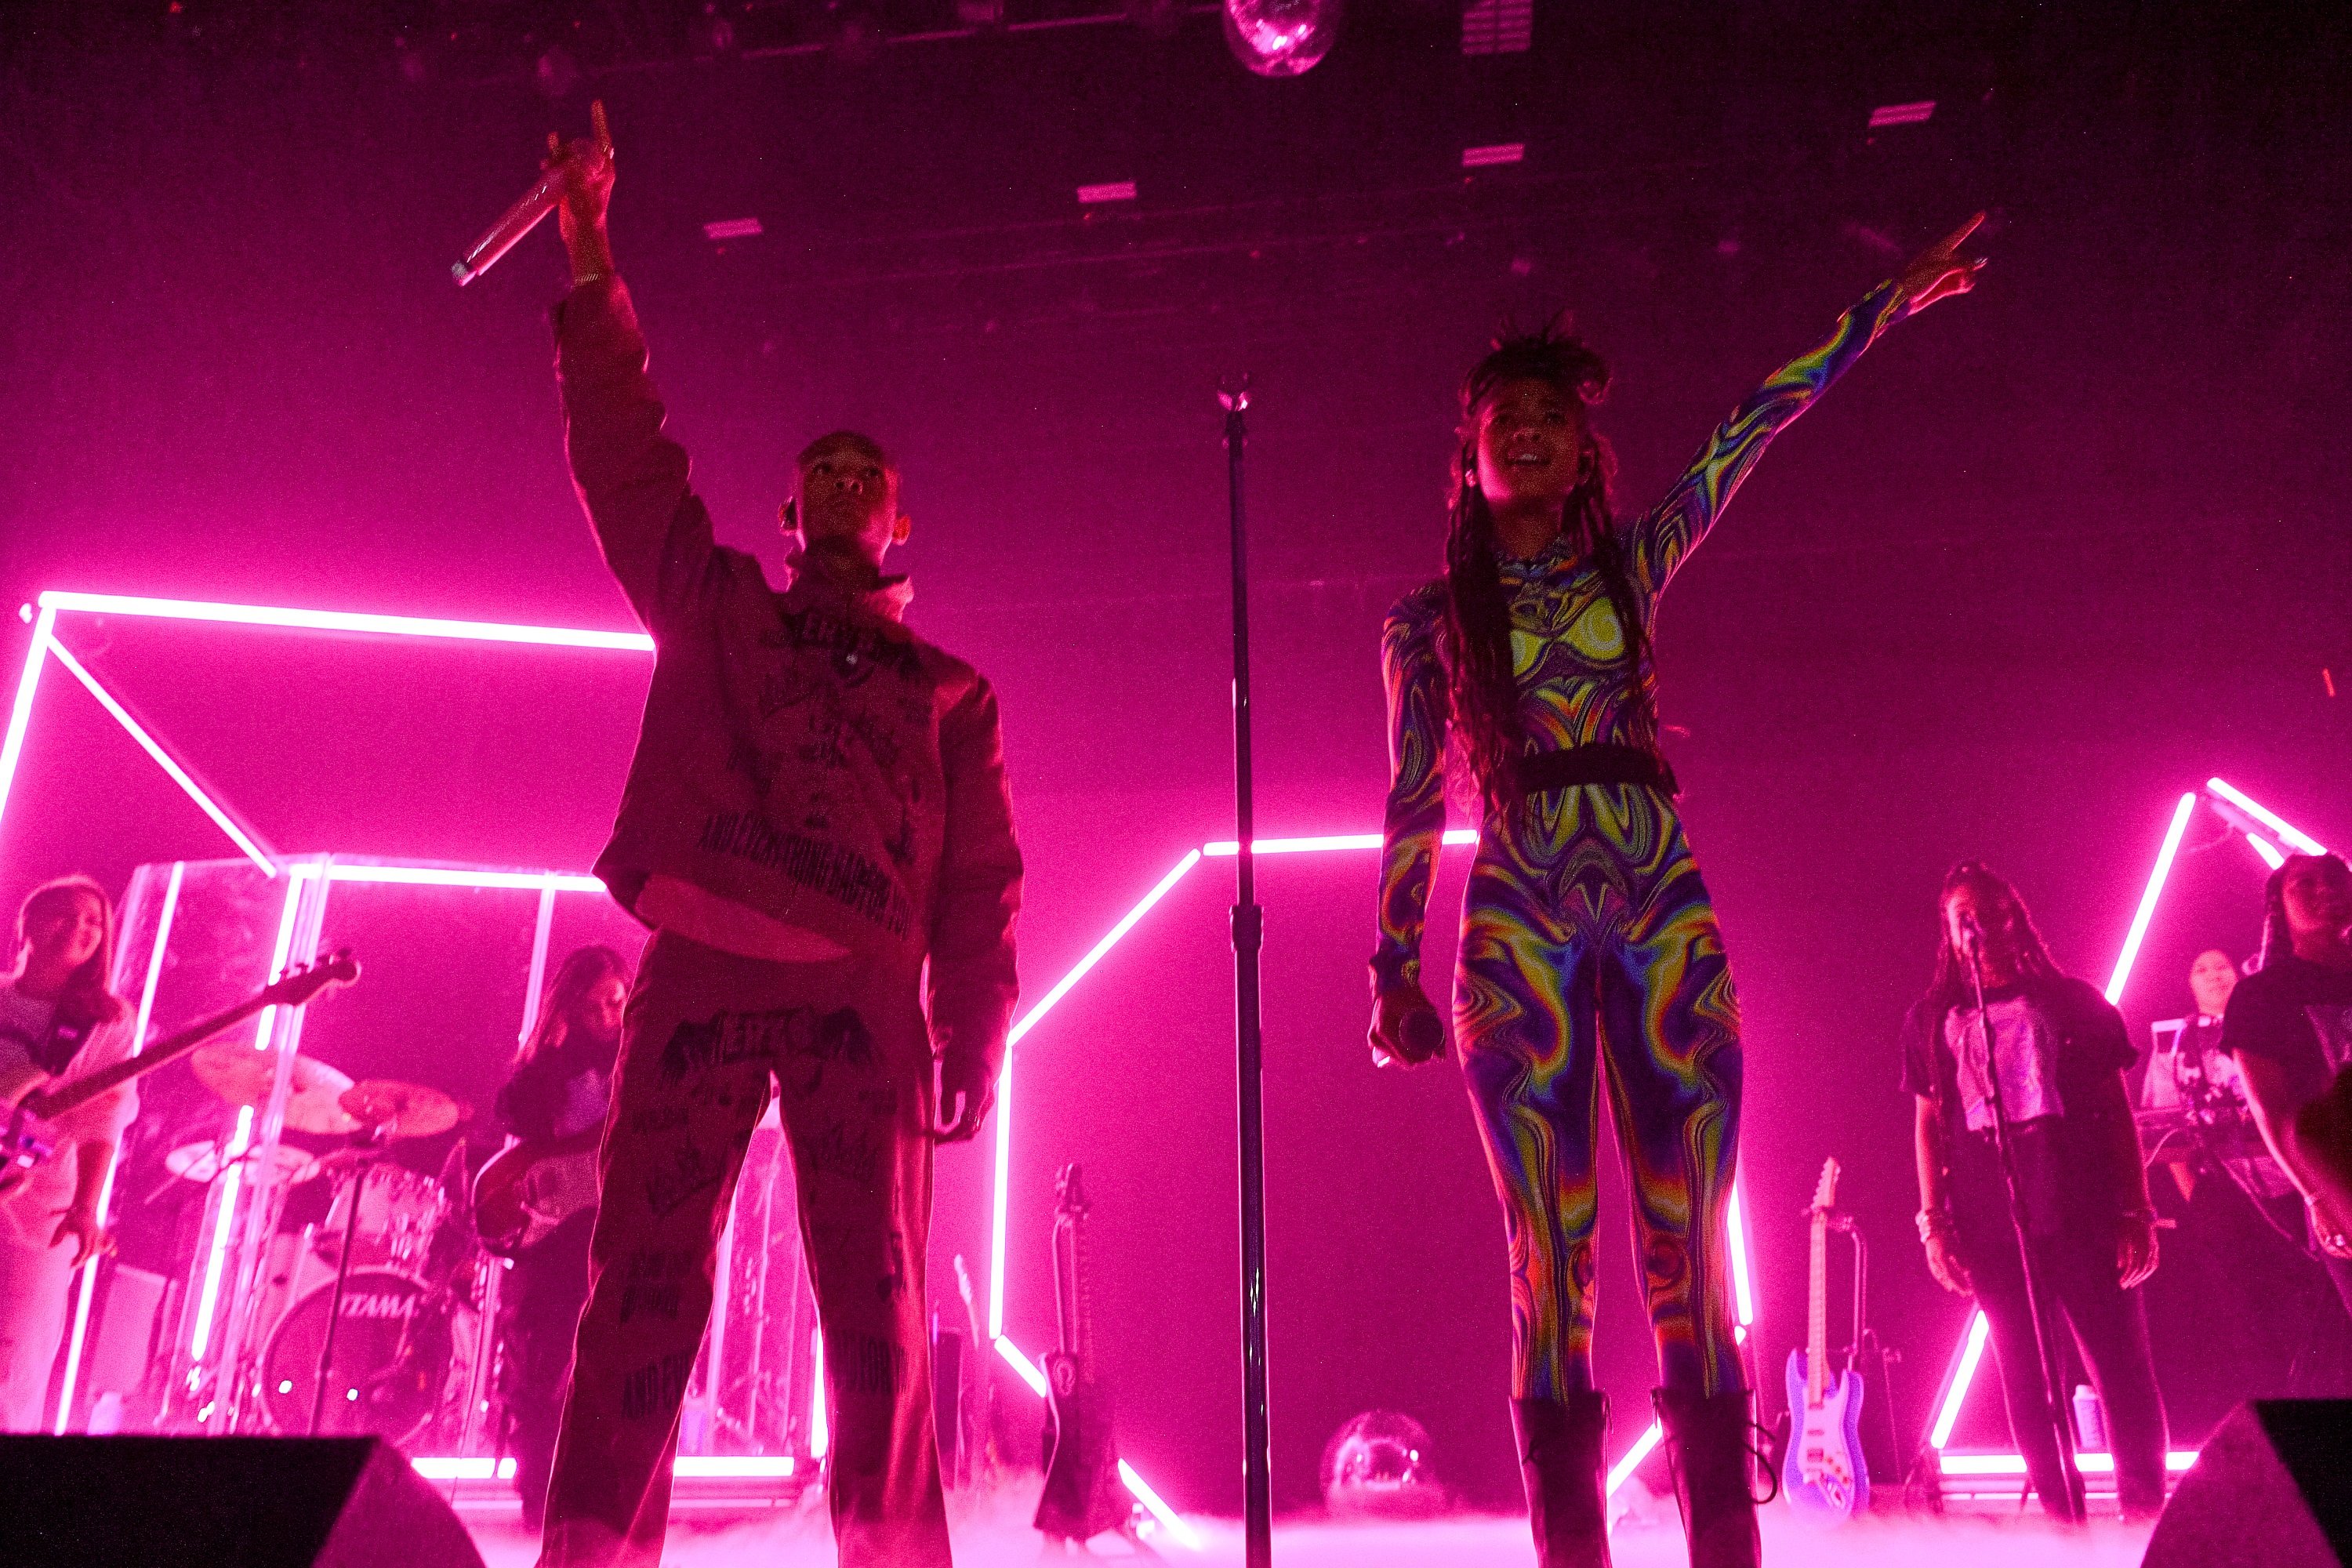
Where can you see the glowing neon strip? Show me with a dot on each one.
(163, 759)
(2175, 1461)
(820, 1427)
(2147, 911)
(2287, 832)
(998, 1219)
(1971, 1353)
(1168, 1516)
(1022, 1364)
(344, 621)
(686, 1466)
(2267, 851)
(1743, 1293)
(445, 1469)
(458, 877)
(1634, 1455)
(1226, 849)
(83, 1296)
(21, 716)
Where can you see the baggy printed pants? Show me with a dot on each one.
(705, 1035)
(1589, 946)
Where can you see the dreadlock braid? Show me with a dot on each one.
(1483, 682)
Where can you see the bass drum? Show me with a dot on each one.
(401, 1356)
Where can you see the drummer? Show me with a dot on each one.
(59, 1021)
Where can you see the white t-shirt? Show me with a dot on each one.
(24, 1027)
(2026, 1045)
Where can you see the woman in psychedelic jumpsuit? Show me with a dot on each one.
(1588, 944)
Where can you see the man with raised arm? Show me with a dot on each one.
(815, 812)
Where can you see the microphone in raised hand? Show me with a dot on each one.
(534, 204)
(1422, 1034)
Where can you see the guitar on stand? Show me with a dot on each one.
(28, 1136)
(1083, 1495)
(1824, 1473)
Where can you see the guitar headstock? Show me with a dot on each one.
(302, 983)
(1825, 1191)
(1069, 1191)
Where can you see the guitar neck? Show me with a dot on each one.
(1817, 1318)
(58, 1102)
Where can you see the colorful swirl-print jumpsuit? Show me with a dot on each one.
(1588, 944)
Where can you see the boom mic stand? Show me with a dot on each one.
(1248, 932)
(2071, 1507)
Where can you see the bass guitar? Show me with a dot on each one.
(28, 1133)
(1083, 1496)
(1824, 1474)
(530, 1187)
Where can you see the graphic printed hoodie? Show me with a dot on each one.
(802, 753)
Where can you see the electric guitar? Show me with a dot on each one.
(1083, 1496)
(28, 1133)
(1824, 1474)
(530, 1187)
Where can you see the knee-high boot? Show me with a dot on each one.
(1560, 1459)
(1706, 1446)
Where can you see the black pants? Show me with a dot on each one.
(538, 1313)
(2077, 1279)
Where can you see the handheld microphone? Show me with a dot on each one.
(525, 215)
(1422, 1035)
(1972, 933)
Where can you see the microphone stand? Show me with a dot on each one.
(2071, 1507)
(1248, 935)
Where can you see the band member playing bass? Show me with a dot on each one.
(1588, 937)
(2060, 1049)
(2290, 1028)
(58, 1022)
(561, 1087)
(816, 826)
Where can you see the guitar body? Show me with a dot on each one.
(27, 1143)
(530, 1188)
(1824, 1476)
(1083, 1496)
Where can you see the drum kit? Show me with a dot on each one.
(372, 1321)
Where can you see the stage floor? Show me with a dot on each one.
(805, 1542)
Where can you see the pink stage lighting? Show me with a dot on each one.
(2268, 851)
(2147, 911)
(2285, 832)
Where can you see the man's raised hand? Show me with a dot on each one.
(585, 166)
(1940, 269)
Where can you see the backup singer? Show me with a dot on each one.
(2290, 1028)
(58, 1022)
(1588, 940)
(2060, 1049)
(561, 1087)
(816, 826)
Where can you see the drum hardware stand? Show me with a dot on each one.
(370, 1146)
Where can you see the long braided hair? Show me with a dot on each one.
(1950, 987)
(2278, 937)
(1484, 688)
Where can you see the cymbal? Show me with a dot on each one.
(399, 1109)
(200, 1162)
(241, 1075)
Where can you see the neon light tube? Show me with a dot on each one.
(453, 877)
(2175, 1461)
(344, 621)
(1971, 1353)
(1159, 1510)
(1634, 1455)
(89, 1283)
(20, 716)
(1046, 1004)
(1743, 1293)
(820, 1429)
(163, 759)
(445, 1469)
(2147, 911)
(2267, 851)
(1226, 849)
(208, 1298)
(732, 1467)
(1022, 1364)
(2287, 832)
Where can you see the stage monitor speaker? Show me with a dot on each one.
(2271, 1488)
(209, 1502)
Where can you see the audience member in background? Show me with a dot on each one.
(1589, 946)
(561, 1087)
(2290, 1028)
(2061, 1050)
(2197, 1071)
(58, 1022)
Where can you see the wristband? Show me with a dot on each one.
(1932, 1224)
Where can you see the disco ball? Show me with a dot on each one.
(1281, 38)
(1379, 1464)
